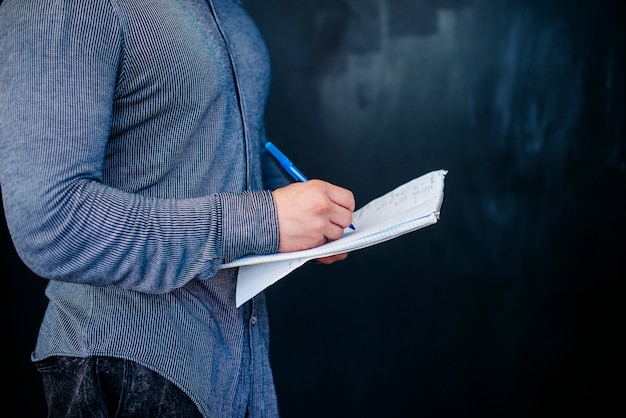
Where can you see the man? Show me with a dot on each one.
(132, 167)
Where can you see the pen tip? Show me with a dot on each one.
(352, 227)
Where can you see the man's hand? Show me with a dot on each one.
(332, 258)
(311, 213)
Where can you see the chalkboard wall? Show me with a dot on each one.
(511, 305)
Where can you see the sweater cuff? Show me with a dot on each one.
(249, 225)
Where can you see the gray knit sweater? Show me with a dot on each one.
(131, 168)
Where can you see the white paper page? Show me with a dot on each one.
(252, 279)
(412, 206)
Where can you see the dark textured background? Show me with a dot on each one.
(511, 305)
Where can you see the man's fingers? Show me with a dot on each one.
(342, 205)
(341, 217)
(311, 213)
(342, 197)
(332, 258)
(334, 231)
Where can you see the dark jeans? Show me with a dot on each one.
(102, 387)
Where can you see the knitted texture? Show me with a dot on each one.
(131, 168)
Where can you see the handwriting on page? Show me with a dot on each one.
(395, 204)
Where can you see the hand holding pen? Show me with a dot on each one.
(310, 212)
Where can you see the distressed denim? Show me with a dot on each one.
(100, 387)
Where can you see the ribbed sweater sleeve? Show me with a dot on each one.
(60, 78)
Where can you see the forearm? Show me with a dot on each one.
(56, 120)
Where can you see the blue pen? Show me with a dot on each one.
(288, 165)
